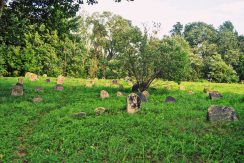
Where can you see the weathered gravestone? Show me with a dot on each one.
(37, 99)
(146, 93)
(214, 95)
(119, 94)
(28, 74)
(60, 79)
(221, 113)
(44, 75)
(190, 92)
(100, 110)
(170, 99)
(104, 94)
(17, 90)
(59, 87)
(33, 77)
(39, 89)
(133, 103)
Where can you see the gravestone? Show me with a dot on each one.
(44, 75)
(133, 103)
(17, 90)
(170, 99)
(33, 77)
(39, 89)
(47, 80)
(221, 113)
(100, 110)
(104, 94)
(215, 95)
(182, 88)
(115, 82)
(28, 74)
(37, 99)
(59, 87)
(89, 85)
(60, 79)
(119, 94)
(190, 92)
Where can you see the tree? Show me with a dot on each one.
(147, 59)
(177, 29)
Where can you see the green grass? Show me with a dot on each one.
(160, 132)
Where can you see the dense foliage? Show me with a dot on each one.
(46, 37)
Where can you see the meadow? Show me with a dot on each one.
(160, 132)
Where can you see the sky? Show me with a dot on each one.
(168, 12)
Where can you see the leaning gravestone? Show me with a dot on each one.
(133, 103)
(215, 95)
(60, 79)
(170, 99)
(104, 94)
(17, 90)
(59, 87)
(221, 113)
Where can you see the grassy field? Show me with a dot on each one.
(160, 132)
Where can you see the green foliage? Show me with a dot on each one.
(160, 132)
(219, 71)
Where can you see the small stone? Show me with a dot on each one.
(221, 113)
(170, 99)
(182, 88)
(119, 94)
(215, 95)
(21, 81)
(100, 110)
(79, 115)
(47, 80)
(106, 85)
(142, 97)
(127, 78)
(33, 77)
(104, 94)
(115, 82)
(37, 99)
(39, 89)
(133, 103)
(17, 90)
(28, 74)
(44, 75)
(60, 79)
(59, 87)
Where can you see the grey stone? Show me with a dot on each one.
(221, 113)
(39, 89)
(104, 94)
(17, 90)
(170, 99)
(59, 87)
(214, 95)
(79, 115)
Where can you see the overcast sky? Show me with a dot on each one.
(168, 12)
